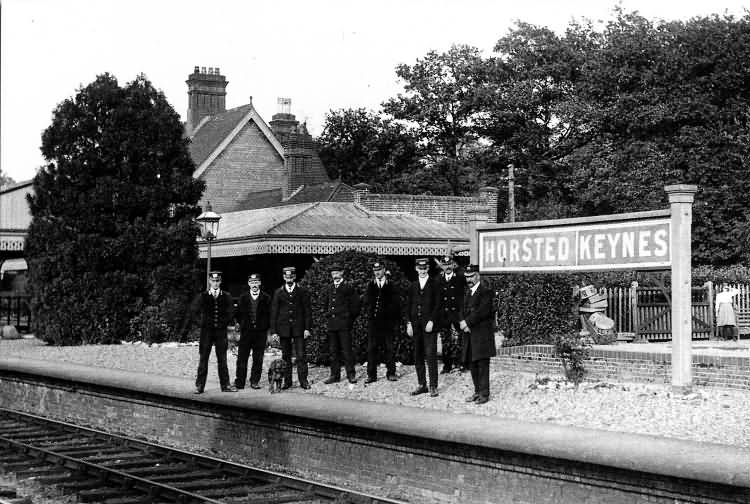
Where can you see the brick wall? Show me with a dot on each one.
(640, 367)
(397, 466)
(448, 209)
(249, 164)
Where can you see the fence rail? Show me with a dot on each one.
(645, 311)
(16, 310)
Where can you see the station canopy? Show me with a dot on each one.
(329, 227)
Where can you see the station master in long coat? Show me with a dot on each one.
(479, 336)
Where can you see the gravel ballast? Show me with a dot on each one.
(707, 414)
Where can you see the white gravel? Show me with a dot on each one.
(708, 414)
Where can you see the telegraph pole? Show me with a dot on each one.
(511, 194)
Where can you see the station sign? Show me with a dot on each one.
(631, 244)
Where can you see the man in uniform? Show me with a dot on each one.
(341, 304)
(215, 309)
(421, 305)
(479, 337)
(291, 320)
(253, 317)
(451, 288)
(383, 306)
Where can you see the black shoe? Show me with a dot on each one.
(230, 388)
(304, 385)
(482, 400)
(286, 385)
(422, 389)
(472, 398)
(445, 370)
(198, 390)
(331, 379)
(254, 385)
(433, 392)
(370, 379)
(392, 377)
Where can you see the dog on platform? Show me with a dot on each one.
(276, 372)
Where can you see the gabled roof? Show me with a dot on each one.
(326, 227)
(214, 133)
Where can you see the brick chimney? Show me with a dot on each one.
(283, 123)
(206, 95)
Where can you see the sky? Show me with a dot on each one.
(324, 55)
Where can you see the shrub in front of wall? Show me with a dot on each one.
(358, 271)
(532, 308)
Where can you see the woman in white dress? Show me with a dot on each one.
(726, 320)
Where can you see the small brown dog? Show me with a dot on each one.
(276, 372)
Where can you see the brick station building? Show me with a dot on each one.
(269, 174)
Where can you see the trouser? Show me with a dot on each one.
(425, 348)
(728, 332)
(255, 342)
(451, 346)
(380, 337)
(480, 375)
(218, 338)
(340, 341)
(298, 346)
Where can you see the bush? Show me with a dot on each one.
(573, 352)
(357, 270)
(157, 324)
(531, 308)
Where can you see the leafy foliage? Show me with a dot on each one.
(573, 352)
(112, 228)
(5, 180)
(357, 270)
(532, 308)
(357, 145)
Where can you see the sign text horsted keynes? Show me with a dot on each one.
(627, 241)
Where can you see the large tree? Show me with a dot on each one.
(112, 229)
(442, 103)
(638, 105)
(358, 145)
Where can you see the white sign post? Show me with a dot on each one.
(681, 202)
(656, 240)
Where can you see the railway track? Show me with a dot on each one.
(99, 467)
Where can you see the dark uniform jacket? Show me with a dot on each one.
(383, 305)
(450, 298)
(421, 304)
(291, 314)
(213, 313)
(341, 305)
(244, 313)
(478, 316)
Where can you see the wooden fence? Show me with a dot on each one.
(16, 311)
(645, 311)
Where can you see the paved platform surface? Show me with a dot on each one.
(708, 415)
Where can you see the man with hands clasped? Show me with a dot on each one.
(421, 304)
(291, 320)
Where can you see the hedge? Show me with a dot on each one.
(357, 270)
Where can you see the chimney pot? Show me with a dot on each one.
(203, 69)
(196, 70)
(216, 70)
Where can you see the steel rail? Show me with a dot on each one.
(270, 480)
